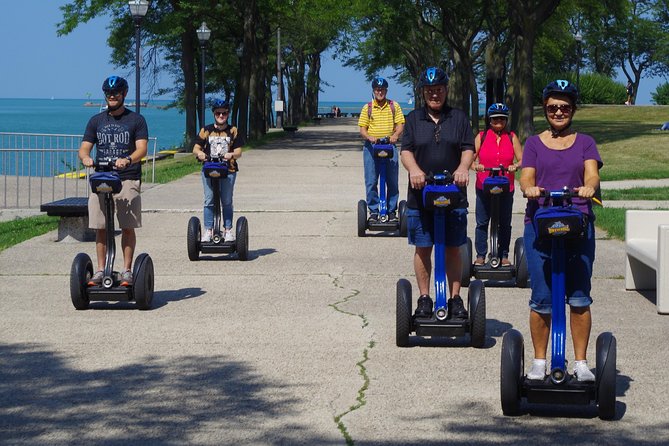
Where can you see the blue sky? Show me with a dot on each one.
(38, 64)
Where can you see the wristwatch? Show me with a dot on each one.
(129, 159)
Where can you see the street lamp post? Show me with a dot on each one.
(203, 35)
(138, 9)
(579, 39)
(279, 78)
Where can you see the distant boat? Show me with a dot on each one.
(410, 101)
(52, 98)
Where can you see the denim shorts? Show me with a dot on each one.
(580, 257)
(420, 227)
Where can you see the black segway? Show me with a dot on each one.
(440, 195)
(106, 181)
(216, 169)
(495, 184)
(558, 222)
(383, 151)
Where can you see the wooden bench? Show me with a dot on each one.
(290, 129)
(73, 213)
(647, 254)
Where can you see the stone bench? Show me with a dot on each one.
(73, 213)
(290, 129)
(647, 254)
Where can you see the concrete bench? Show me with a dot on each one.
(290, 129)
(73, 213)
(647, 254)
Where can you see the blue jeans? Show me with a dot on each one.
(579, 256)
(372, 168)
(226, 186)
(483, 210)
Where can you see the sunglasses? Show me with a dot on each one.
(111, 94)
(222, 113)
(566, 109)
(435, 91)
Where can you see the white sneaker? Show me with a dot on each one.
(538, 370)
(228, 237)
(582, 371)
(206, 236)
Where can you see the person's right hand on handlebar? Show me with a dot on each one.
(479, 167)
(88, 162)
(201, 156)
(417, 178)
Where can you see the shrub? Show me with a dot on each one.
(593, 88)
(661, 95)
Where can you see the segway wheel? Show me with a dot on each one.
(466, 257)
(477, 318)
(403, 325)
(80, 274)
(403, 218)
(142, 281)
(520, 261)
(362, 218)
(511, 373)
(242, 243)
(606, 376)
(193, 239)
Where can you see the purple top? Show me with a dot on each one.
(556, 169)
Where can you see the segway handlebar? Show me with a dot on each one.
(106, 164)
(442, 178)
(496, 171)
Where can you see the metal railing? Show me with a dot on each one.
(37, 168)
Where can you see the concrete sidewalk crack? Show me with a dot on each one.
(361, 398)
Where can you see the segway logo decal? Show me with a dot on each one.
(562, 83)
(431, 74)
(103, 188)
(496, 190)
(214, 174)
(442, 201)
(558, 228)
(382, 154)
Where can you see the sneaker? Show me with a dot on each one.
(96, 279)
(582, 371)
(206, 236)
(392, 217)
(538, 370)
(480, 261)
(126, 278)
(228, 237)
(456, 308)
(424, 308)
(373, 218)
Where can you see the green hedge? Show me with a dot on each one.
(593, 88)
(661, 95)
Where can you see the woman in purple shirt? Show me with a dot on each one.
(553, 159)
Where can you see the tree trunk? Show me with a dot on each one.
(313, 84)
(188, 55)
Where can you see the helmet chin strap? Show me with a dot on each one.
(555, 132)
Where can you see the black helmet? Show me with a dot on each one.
(219, 103)
(433, 76)
(560, 87)
(114, 83)
(379, 82)
(498, 110)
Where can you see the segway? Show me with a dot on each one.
(440, 195)
(383, 151)
(557, 222)
(106, 181)
(494, 185)
(217, 169)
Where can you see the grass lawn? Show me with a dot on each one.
(16, 231)
(637, 193)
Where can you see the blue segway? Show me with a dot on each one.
(556, 222)
(495, 184)
(383, 151)
(440, 195)
(106, 181)
(217, 169)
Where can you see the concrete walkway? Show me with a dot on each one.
(296, 345)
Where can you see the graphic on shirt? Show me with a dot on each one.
(113, 141)
(218, 145)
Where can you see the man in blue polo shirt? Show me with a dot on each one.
(436, 138)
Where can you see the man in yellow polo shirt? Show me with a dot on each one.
(381, 118)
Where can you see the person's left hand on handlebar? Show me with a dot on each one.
(461, 177)
(228, 156)
(122, 163)
(392, 139)
(586, 192)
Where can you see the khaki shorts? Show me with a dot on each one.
(128, 205)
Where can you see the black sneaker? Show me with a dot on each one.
(456, 308)
(373, 218)
(424, 308)
(392, 217)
